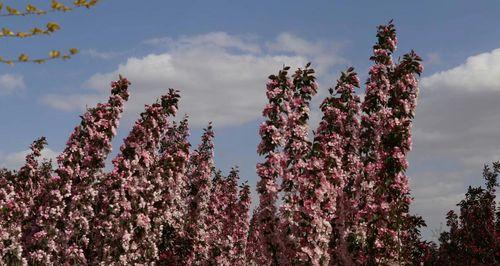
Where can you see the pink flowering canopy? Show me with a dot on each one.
(337, 197)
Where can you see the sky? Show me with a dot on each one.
(219, 54)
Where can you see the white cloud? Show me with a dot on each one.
(456, 132)
(478, 73)
(221, 77)
(15, 160)
(459, 114)
(11, 84)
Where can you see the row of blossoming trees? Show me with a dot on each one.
(341, 198)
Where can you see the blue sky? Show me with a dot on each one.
(219, 53)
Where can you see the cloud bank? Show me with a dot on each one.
(221, 77)
(456, 132)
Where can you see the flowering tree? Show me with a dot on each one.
(345, 196)
(340, 197)
(388, 108)
(263, 245)
(335, 158)
(154, 206)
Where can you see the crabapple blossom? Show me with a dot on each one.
(341, 198)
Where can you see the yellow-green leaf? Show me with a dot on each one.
(91, 3)
(31, 8)
(51, 26)
(7, 32)
(80, 2)
(54, 54)
(56, 5)
(22, 34)
(23, 58)
(12, 11)
(37, 31)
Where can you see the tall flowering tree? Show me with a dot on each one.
(403, 103)
(263, 239)
(296, 148)
(376, 113)
(334, 172)
(69, 193)
(201, 167)
(80, 166)
(127, 193)
(346, 197)
(389, 107)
